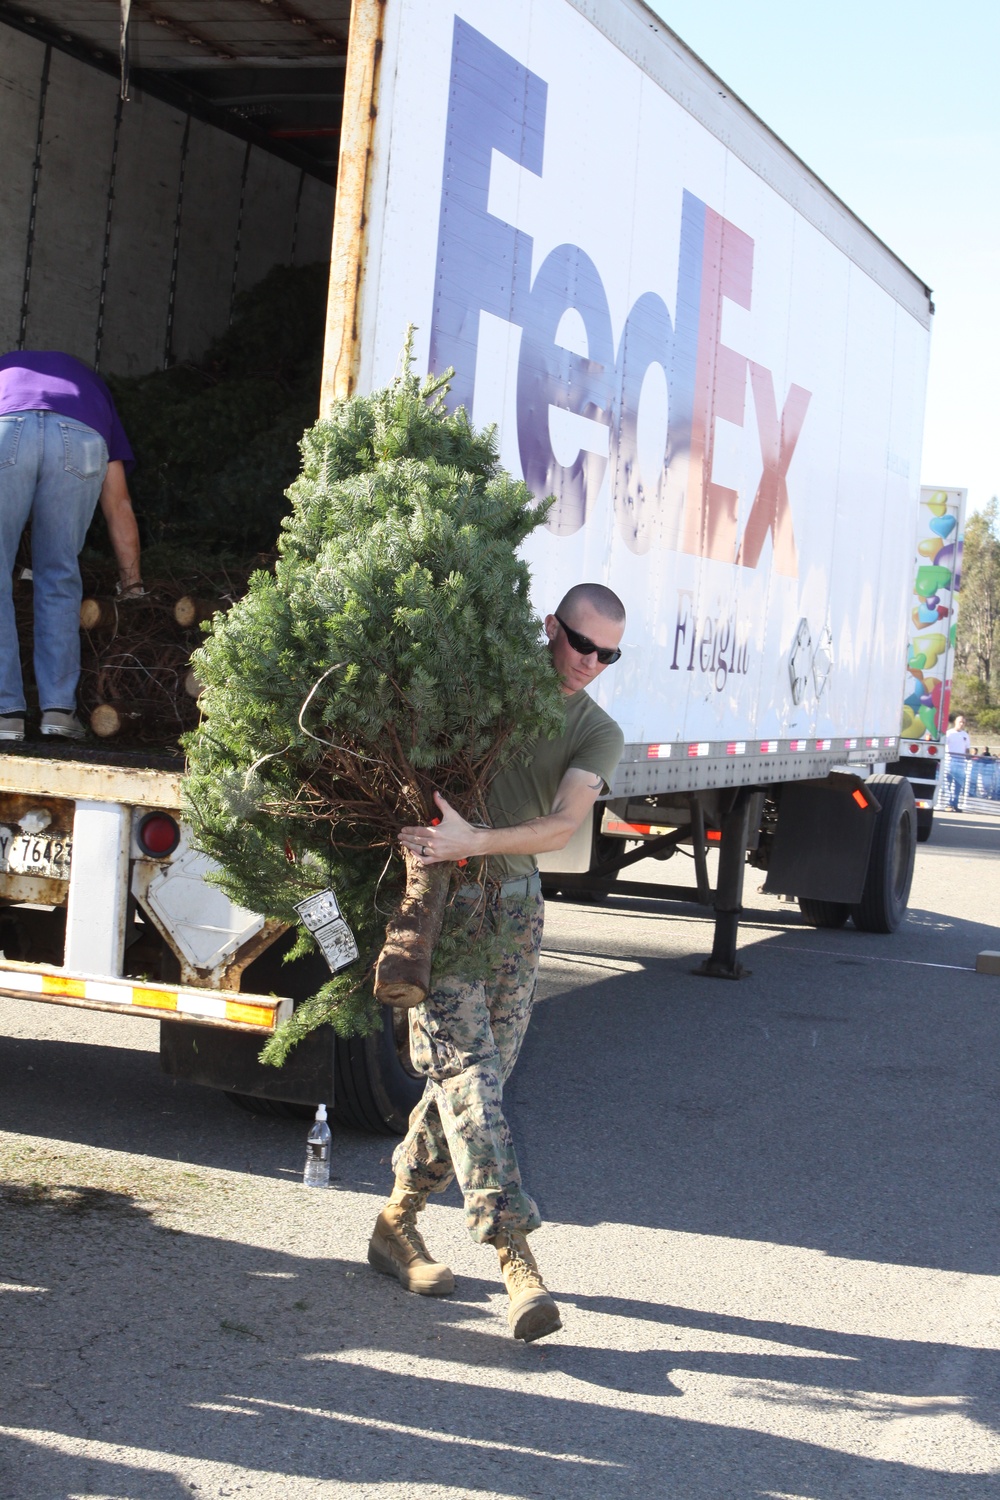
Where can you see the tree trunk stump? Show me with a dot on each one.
(403, 970)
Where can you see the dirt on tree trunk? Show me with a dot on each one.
(403, 970)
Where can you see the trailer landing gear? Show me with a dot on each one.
(722, 962)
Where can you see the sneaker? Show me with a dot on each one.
(11, 726)
(63, 723)
(397, 1248)
(532, 1313)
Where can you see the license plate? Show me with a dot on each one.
(44, 854)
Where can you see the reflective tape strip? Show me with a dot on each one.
(32, 983)
(261, 1012)
(105, 992)
(249, 1015)
(60, 984)
(712, 749)
(154, 999)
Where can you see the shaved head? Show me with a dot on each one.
(594, 596)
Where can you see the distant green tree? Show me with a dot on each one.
(977, 647)
(394, 652)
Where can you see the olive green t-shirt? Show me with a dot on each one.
(591, 741)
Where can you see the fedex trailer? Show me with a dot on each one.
(716, 370)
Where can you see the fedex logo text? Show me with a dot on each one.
(485, 265)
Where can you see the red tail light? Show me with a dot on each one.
(158, 835)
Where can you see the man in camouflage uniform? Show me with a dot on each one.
(466, 1036)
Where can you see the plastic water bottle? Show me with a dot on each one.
(317, 1170)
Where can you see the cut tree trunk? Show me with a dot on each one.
(403, 971)
(98, 614)
(190, 610)
(107, 719)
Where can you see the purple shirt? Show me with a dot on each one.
(32, 380)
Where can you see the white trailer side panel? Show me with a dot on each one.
(72, 208)
(21, 62)
(681, 333)
(142, 239)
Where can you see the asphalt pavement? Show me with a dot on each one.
(771, 1222)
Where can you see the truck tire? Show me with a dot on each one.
(925, 822)
(824, 913)
(890, 864)
(375, 1087)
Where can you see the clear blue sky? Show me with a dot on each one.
(896, 105)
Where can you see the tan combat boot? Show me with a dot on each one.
(397, 1247)
(532, 1313)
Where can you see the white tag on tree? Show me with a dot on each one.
(321, 914)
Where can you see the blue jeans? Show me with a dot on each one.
(51, 473)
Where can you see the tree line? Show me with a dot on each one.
(976, 688)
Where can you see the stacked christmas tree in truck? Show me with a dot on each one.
(393, 653)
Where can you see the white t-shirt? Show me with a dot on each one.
(957, 742)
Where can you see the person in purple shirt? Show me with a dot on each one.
(62, 449)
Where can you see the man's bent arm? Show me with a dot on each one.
(453, 838)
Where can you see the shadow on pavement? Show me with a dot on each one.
(215, 1353)
(115, 1099)
(831, 1100)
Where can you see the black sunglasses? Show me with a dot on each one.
(605, 654)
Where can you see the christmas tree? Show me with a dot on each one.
(394, 652)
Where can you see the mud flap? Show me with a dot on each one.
(823, 839)
(222, 1059)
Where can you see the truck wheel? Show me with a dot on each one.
(375, 1085)
(890, 864)
(824, 913)
(925, 822)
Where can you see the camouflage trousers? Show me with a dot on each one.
(465, 1038)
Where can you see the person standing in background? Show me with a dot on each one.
(957, 745)
(62, 450)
